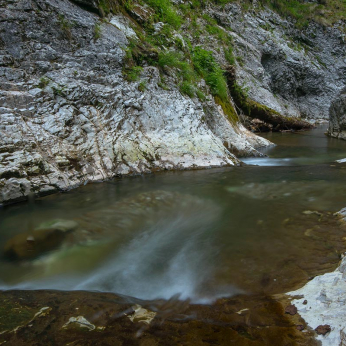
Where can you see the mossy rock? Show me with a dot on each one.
(259, 111)
(13, 315)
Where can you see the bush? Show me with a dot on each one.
(97, 31)
(208, 68)
(187, 89)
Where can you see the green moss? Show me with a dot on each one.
(13, 315)
(229, 56)
(200, 95)
(142, 86)
(228, 109)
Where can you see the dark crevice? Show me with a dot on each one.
(86, 7)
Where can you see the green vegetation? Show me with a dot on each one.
(65, 26)
(207, 67)
(97, 31)
(186, 63)
(142, 86)
(165, 12)
(44, 81)
(187, 89)
(132, 74)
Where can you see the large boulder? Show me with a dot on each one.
(337, 116)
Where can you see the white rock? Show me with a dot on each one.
(326, 298)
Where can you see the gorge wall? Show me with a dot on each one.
(75, 107)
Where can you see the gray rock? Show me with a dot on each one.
(337, 120)
(297, 72)
(68, 116)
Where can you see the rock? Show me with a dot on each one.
(80, 321)
(337, 117)
(292, 80)
(142, 315)
(291, 310)
(89, 4)
(325, 295)
(323, 330)
(300, 327)
(59, 224)
(47, 237)
(90, 123)
(341, 161)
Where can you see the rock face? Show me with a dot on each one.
(297, 72)
(67, 116)
(337, 119)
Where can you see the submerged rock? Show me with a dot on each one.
(46, 237)
(142, 315)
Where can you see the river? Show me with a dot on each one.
(266, 226)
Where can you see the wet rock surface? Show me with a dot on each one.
(321, 303)
(86, 318)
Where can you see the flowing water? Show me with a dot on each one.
(195, 235)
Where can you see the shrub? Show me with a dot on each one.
(187, 89)
(97, 31)
(208, 68)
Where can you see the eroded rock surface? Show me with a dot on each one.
(68, 116)
(337, 119)
(295, 71)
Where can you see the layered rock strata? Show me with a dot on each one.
(68, 116)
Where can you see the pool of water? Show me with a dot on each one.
(301, 148)
(195, 235)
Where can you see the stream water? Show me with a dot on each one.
(195, 235)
